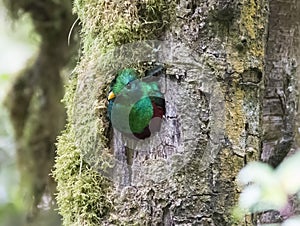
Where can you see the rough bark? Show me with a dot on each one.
(280, 119)
(280, 100)
(214, 54)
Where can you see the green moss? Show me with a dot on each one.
(82, 197)
(84, 193)
(244, 45)
(82, 190)
(116, 23)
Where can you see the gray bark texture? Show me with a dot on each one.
(213, 52)
(280, 104)
(281, 81)
(186, 174)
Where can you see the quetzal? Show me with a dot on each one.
(136, 106)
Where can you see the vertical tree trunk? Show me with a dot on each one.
(280, 101)
(214, 53)
(281, 134)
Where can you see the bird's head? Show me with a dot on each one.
(122, 82)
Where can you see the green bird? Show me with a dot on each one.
(136, 106)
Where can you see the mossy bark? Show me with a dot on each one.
(185, 175)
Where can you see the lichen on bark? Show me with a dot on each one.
(214, 82)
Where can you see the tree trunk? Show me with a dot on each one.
(280, 122)
(280, 101)
(213, 52)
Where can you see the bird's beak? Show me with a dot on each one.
(111, 95)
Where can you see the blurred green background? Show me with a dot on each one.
(18, 43)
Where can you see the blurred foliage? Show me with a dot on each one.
(18, 43)
(33, 101)
(265, 188)
(11, 205)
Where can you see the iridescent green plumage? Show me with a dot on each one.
(135, 103)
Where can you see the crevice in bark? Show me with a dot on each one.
(280, 99)
(216, 113)
(166, 218)
(280, 103)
